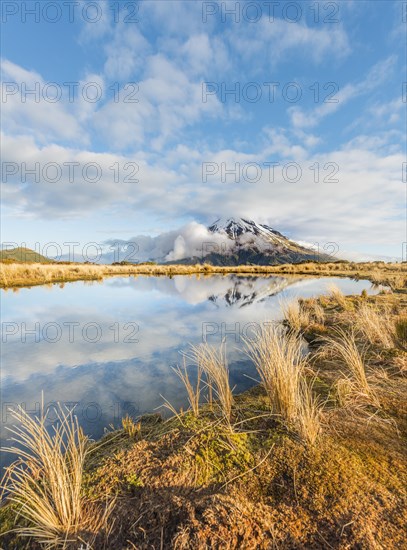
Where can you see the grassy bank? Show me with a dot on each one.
(313, 457)
(29, 274)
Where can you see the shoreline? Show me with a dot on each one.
(256, 479)
(20, 275)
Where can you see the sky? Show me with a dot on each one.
(130, 119)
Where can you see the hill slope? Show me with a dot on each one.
(21, 254)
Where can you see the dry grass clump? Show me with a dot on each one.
(394, 279)
(337, 295)
(279, 360)
(377, 327)
(315, 310)
(45, 482)
(19, 274)
(376, 277)
(345, 391)
(401, 330)
(295, 314)
(398, 281)
(318, 313)
(343, 345)
(212, 362)
(309, 414)
(130, 427)
(194, 393)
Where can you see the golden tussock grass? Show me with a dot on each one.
(309, 413)
(212, 362)
(313, 311)
(401, 330)
(26, 274)
(45, 483)
(193, 392)
(296, 316)
(317, 312)
(343, 346)
(280, 362)
(337, 295)
(376, 326)
(130, 427)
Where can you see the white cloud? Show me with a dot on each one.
(125, 53)
(204, 55)
(381, 115)
(24, 112)
(97, 22)
(365, 206)
(69, 196)
(170, 132)
(269, 41)
(377, 75)
(173, 18)
(281, 145)
(351, 255)
(193, 239)
(168, 101)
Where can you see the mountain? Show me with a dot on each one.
(240, 241)
(235, 228)
(233, 291)
(245, 291)
(23, 255)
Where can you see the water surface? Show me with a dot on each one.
(108, 347)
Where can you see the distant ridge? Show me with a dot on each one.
(22, 255)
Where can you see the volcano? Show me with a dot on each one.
(247, 242)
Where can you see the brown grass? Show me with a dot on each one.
(19, 274)
(279, 360)
(309, 413)
(130, 427)
(318, 313)
(296, 316)
(344, 347)
(376, 326)
(337, 295)
(194, 393)
(401, 330)
(313, 310)
(45, 482)
(212, 362)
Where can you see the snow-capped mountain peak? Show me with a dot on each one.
(239, 241)
(236, 227)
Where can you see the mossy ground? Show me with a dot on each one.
(192, 483)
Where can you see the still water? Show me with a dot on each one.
(108, 347)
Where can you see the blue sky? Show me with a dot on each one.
(337, 76)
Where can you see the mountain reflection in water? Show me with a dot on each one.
(143, 324)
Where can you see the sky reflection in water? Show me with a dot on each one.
(115, 342)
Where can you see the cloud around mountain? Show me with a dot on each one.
(192, 239)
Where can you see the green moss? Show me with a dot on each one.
(218, 454)
(9, 519)
(133, 482)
